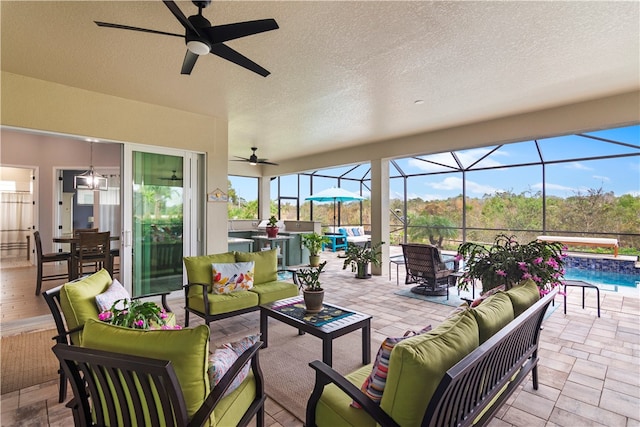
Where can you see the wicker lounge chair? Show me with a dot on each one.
(425, 268)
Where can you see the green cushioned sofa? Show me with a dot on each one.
(203, 302)
(458, 373)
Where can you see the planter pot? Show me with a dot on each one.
(313, 300)
(363, 271)
(272, 232)
(314, 260)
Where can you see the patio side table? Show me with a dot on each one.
(583, 285)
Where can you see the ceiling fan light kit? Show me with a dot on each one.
(202, 38)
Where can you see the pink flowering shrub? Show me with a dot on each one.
(136, 314)
(507, 263)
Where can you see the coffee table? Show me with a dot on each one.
(327, 332)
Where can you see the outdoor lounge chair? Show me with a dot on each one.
(425, 268)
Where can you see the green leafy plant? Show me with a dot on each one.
(506, 262)
(309, 278)
(357, 255)
(136, 314)
(313, 242)
(273, 222)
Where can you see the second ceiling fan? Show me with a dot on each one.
(202, 38)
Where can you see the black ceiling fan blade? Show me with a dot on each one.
(225, 52)
(223, 33)
(265, 162)
(173, 7)
(190, 59)
(143, 30)
(240, 159)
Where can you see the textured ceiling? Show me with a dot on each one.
(343, 73)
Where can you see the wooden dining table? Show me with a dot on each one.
(73, 241)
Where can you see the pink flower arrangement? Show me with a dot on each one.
(506, 263)
(137, 315)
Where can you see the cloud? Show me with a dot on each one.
(455, 184)
(602, 178)
(554, 187)
(578, 166)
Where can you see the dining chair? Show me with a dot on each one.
(43, 258)
(77, 231)
(94, 250)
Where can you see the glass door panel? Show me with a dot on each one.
(157, 222)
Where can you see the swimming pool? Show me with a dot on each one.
(604, 278)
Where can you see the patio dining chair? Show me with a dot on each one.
(426, 269)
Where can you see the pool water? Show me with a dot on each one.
(599, 277)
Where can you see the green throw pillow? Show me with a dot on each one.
(187, 349)
(78, 300)
(266, 265)
(523, 296)
(418, 364)
(493, 314)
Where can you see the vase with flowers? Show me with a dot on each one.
(137, 315)
(506, 263)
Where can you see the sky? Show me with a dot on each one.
(619, 175)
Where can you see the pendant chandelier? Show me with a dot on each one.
(90, 180)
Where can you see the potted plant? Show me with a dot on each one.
(312, 292)
(359, 257)
(507, 263)
(272, 227)
(136, 314)
(313, 242)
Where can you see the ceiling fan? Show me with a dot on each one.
(172, 178)
(203, 38)
(253, 159)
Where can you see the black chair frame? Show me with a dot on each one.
(52, 297)
(151, 385)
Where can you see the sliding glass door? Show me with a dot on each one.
(161, 218)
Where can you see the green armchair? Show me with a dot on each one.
(124, 376)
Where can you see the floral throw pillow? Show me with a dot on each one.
(232, 277)
(224, 356)
(374, 385)
(114, 292)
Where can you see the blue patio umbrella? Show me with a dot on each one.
(334, 195)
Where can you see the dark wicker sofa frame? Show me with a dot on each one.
(469, 387)
(114, 378)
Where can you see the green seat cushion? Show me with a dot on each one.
(418, 364)
(224, 303)
(78, 301)
(199, 268)
(493, 314)
(187, 349)
(334, 407)
(232, 407)
(266, 265)
(273, 291)
(523, 296)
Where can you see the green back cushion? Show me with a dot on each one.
(187, 349)
(523, 296)
(78, 301)
(199, 268)
(492, 315)
(266, 265)
(418, 364)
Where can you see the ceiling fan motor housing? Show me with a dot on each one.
(198, 44)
